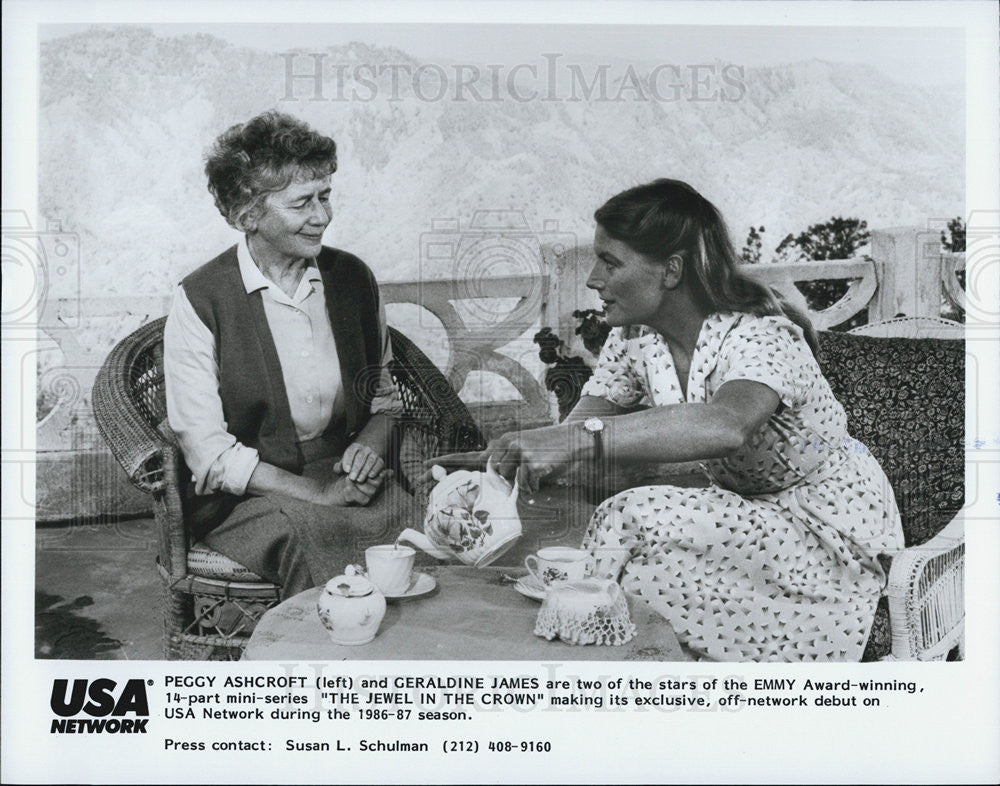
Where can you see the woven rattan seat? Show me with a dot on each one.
(203, 561)
(211, 603)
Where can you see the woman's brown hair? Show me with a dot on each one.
(668, 217)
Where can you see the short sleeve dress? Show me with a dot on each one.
(776, 559)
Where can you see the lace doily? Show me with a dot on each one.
(591, 611)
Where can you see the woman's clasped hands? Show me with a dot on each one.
(357, 478)
(360, 462)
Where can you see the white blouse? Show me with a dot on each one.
(303, 338)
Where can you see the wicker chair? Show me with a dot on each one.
(211, 603)
(902, 385)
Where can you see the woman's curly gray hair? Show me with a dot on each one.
(263, 155)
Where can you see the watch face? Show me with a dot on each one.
(593, 424)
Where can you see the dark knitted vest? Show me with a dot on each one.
(254, 400)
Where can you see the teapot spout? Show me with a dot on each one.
(422, 542)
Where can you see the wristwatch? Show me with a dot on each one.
(595, 427)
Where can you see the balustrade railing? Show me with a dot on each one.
(485, 326)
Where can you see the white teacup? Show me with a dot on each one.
(390, 567)
(559, 563)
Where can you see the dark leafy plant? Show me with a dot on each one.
(592, 329)
(568, 373)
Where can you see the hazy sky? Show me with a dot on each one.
(914, 55)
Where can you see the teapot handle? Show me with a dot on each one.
(492, 474)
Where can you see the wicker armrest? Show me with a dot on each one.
(926, 595)
(434, 419)
(429, 402)
(136, 445)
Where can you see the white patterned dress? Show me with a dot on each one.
(775, 560)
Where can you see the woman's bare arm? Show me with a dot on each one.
(690, 432)
(596, 407)
(337, 490)
(673, 433)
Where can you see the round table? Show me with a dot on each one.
(473, 614)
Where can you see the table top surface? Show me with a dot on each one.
(473, 614)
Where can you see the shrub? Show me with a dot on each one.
(568, 373)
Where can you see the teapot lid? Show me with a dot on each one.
(353, 584)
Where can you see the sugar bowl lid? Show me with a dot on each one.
(353, 584)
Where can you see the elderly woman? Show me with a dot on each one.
(275, 355)
(776, 558)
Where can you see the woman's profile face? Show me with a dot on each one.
(294, 219)
(629, 283)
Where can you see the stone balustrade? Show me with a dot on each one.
(476, 330)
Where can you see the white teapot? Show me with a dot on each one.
(471, 516)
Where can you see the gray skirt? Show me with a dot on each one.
(300, 545)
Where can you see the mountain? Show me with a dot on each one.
(125, 116)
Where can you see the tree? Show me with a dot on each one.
(955, 240)
(838, 238)
(751, 249)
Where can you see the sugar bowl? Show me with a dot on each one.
(351, 608)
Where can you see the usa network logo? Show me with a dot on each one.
(99, 699)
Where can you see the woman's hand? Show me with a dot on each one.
(341, 491)
(539, 453)
(359, 463)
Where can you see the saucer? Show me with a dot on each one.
(420, 585)
(530, 587)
